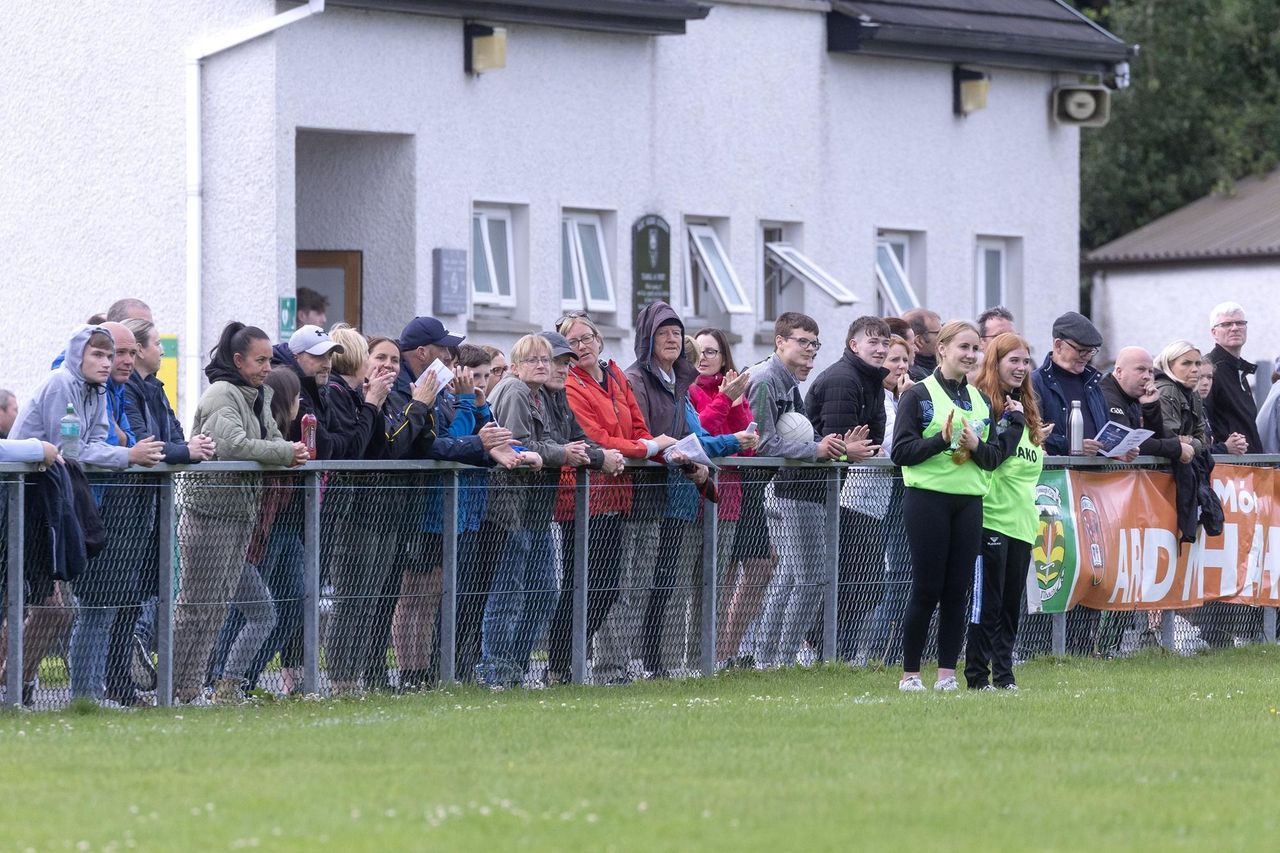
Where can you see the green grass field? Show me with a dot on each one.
(1150, 752)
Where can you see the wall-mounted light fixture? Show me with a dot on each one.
(485, 47)
(969, 90)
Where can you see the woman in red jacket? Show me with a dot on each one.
(606, 408)
(719, 395)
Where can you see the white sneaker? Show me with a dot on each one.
(1010, 687)
(945, 684)
(911, 684)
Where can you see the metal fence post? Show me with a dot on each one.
(1059, 624)
(710, 572)
(831, 597)
(1268, 624)
(1166, 630)
(165, 543)
(449, 581)
(311, 583)
(13, 676)
(581, 575)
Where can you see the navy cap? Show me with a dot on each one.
(425, 332)
(559, 346)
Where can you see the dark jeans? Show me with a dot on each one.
(1001, 585)
(604, 574)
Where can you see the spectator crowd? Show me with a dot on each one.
(528, 421)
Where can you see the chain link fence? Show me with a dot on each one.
(220, 580)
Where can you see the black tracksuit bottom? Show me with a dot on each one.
(998, 590)
(944, 533)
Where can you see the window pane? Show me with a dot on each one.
(589, 240)
(898, 288)
(900, 249)
(479, 258)
(568, 266)
(992, 276)
(501, 254)
(721, 271)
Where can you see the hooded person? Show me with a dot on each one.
(80, 383)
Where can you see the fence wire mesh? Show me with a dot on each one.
(416, 577)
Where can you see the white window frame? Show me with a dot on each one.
(484, 215)
(984, 245)
(800, 267)
(884, 252)
(901, 241)
(697, 258)
(582, 298)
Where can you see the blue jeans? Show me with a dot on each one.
(87, 655)
(884, 639)
(282, 570)
(521, 600)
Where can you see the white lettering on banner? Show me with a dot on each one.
(1271, 562)
(1156, 542)
(1253, 563)
(1224, 559)
(1122, 585)
(1234, 496)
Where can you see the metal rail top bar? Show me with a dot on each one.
(410, 465)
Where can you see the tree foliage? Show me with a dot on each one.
(1202, 112)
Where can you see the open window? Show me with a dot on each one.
(895, 287)
(493, 267)
(788, 265)
(710, 273)
(585, 278)
(991, 277)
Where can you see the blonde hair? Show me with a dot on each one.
(530, 345)
(566, 323)
(898, 341)
(355, 350)
(952, 328)
(1172, 353)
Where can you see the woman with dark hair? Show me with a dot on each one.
(1010, 517)
(942, 439)
(218, 517)
(719, 395)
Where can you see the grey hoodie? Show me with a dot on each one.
(42, 415)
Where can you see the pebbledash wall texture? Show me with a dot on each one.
(361, 130)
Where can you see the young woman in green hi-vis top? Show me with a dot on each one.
(944, 441)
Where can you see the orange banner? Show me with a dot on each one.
(1129, 556)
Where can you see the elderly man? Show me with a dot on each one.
(1132, 400)
(925, 324)
(1066, 376)
(1230, 405)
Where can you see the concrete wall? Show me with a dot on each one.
(746, 118)
(1153, 306)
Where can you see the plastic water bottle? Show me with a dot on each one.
(69, 434)
(1075, 429)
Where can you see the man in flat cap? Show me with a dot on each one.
(1065, 376)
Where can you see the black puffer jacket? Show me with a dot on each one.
(313, 400)
(848, 394)
(358, 429)
(1124, 409)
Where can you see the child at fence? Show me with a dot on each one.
(1009, 518)
(943, 440)
(218, 515)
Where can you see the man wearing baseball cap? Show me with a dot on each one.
(309, 353)
(1065, 376)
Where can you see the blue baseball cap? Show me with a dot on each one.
(425, 332)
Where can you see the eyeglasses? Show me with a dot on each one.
(806, 343)
(710, 353)
(498, 371)
(932, 332)
(585, 340)
(570, 315)
(1231, 324)
(536, 359)
(1085, 352)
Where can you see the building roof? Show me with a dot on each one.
(1243, 224)
(1041, 34)
(642, 17)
